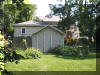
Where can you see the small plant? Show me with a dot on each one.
(24, 43)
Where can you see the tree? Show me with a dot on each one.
(83, 12)
(15, 11)
(16, 14)
(98, 26)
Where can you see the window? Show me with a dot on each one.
(23, 30)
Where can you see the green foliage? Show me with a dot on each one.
(70, 51)
(74, 11)
(10, 30)
(30, 53)
(83, 41)
(1, 53)
(1, 62)
(1, 41)
(1, 56)
(36, 18)
(16, 14)
(56, 50)
(11, 55)
(1, 66)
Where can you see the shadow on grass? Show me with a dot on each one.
(90, 56)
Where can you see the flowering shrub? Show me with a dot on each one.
(30, 53)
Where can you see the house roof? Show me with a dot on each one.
(49, 19)
(32, 23)
(54, 28)
(41, 22)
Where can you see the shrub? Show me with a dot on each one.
(32, 53)
(11, 55)
(85, 50)
(68, 50)
(84, 41)
(1, 56)
(56, 50)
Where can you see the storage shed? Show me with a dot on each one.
(47, 38)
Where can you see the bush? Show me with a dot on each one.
(56, 50)
(85, 50)
(1, 56)
(83, 41)
(30, 53)
(11, 55)
(68, 50)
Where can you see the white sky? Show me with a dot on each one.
(43, 7)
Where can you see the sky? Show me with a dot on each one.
(43, 6)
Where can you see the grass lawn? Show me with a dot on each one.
(50, 62)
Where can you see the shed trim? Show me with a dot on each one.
(50, 27)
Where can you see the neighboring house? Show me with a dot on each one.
(38, 34)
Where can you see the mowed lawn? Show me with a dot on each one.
(50, 62)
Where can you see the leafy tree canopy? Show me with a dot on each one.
(81, 11)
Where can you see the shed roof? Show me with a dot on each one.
(54, 28)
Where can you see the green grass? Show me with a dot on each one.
(50, 62)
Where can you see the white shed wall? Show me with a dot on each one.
(47, 38)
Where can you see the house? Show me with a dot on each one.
(38, 34)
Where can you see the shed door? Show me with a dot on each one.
(47, 40)
(40, 41)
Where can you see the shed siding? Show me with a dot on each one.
(28, 31)
(40, 41)
(47, 39)
(34, 41)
